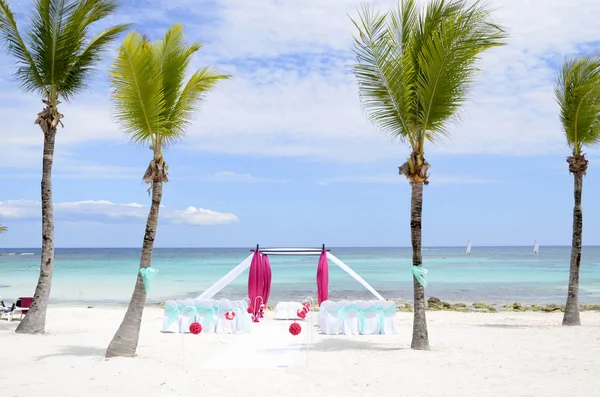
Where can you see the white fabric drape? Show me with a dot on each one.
(354, 275)
(226, 279)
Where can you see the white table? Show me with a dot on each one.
(287, 310)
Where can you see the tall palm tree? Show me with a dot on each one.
(154, 105)
(413, 69)
(55, 59)
(578, 94)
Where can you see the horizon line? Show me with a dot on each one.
(331, 246)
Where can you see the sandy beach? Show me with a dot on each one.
(473, 354)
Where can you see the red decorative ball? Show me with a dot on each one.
(230, 315)
(250, 309)
(301, 313)
(195, 328)
(295, 329)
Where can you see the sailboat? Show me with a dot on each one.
(468, 250)
(536, 247)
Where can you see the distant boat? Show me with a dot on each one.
(468, 250)
(536, 247)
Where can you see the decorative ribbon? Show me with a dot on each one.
(362, 317)
(190, 313)
(343, 315)
(171, 315)
(205, 315)
(148, 274)
(382, 313)
(419, 272)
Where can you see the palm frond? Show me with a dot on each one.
(77, 75)
(152, 101)
(415, 66)
(57, 56)
(578, 94)
(137, 92)
(173, 57)
(3, 229)
(379, 74)
(188, 101)
(447, 59)
(27, 72)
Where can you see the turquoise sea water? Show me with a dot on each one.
(493, 274)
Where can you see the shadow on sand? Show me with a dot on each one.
(508, 326)
(334, 345)
(76, 351)
(8, 326)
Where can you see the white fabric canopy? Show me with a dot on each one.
(226, 279)
(354, 275)
(239, 269)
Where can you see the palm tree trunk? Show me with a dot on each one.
(34, 321)
(571, 316)
(125, 341)
(420, 339)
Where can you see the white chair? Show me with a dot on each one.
(206, 315)
(389, 318)
(368, 317)
(223, 325)
(243, 320)
(328, 319)
(172, 316)
(348, 317)
(188, 315)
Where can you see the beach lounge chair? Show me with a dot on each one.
(3, 308)
(19, 308)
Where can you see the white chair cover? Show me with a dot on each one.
(328, 319)
(188, 315)
(172, 317)
(348, 317)
(389, 315)
(368, 313)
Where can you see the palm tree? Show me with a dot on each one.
(153, 104)
(578, 94)
(3, 229)
(55, 59)
(414, 68)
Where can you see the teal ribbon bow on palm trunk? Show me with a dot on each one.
(148, 274)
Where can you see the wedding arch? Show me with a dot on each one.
(259, 279)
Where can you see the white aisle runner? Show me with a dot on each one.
(264, 347)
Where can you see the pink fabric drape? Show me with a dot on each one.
(267, 285)
(323, 278)
(256, 279)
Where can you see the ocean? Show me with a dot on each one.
(105, 276)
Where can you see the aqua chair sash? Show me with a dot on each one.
(362, 317)
(343, 312)
(148, 275)
(207, 314)
(419, 272)
(171, 315)
(189, 310)
(382, 312)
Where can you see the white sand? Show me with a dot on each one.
(473, 354)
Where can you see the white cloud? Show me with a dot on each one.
(435, 180)
(200, 216)
(102, 210)
(292, 95)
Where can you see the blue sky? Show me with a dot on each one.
(283, 155)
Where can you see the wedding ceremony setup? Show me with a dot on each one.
(223, 316)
